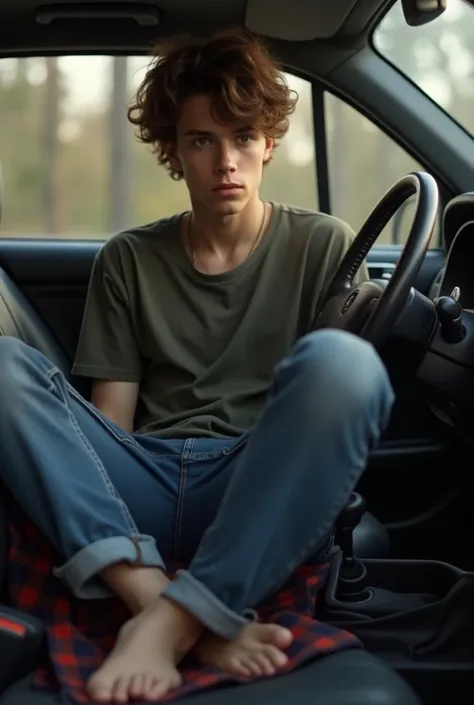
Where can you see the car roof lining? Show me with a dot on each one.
(281, 20)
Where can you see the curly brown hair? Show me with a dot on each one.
(245, 83)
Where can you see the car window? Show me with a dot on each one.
(72, 167)
(438, 56)
(363, 163)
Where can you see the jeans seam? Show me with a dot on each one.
(121, 439)
(187, 451)
(95, 458)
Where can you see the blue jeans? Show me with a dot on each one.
(244, 513)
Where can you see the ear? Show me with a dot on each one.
(269, 144)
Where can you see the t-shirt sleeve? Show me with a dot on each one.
(107, 347)
(330, 241)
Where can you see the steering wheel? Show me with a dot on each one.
(371, 309)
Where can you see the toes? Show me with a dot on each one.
(139, 685)
(266, 667)
(279, 636)
(253, 666)
(276, 657)
(100, 690)
(157, 690)
(175, 680)
(238, 668)
(161, 687)
(121, 690)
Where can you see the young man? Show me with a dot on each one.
(222, 433)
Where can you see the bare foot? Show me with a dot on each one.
(257, 650)
(143, 663)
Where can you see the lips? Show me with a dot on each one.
(227, 187)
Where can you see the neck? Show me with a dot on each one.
(223, 234)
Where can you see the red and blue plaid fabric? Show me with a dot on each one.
(80, 633)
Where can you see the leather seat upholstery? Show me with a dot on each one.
(346, 678)
(19, 319)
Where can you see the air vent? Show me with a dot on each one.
(144, 15)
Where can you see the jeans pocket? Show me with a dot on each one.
(237, 445)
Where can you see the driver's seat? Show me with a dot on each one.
(351, 677)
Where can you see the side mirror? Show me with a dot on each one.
(418, 12)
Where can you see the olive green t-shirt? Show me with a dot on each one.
(203, 347)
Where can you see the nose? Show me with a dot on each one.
(226, 160)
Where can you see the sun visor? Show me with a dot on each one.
(297, 20)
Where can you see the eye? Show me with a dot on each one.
(245, 139)
(201, 141)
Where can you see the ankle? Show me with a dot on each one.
(185, 626)
(137, 586)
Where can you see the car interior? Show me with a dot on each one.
(402, 578)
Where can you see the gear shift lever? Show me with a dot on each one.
(352, 572)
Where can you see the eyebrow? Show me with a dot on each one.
(205, 133)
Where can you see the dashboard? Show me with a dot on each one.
(458, 232)
(459, 269)
(449, 365)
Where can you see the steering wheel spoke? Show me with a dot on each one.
(351, 307)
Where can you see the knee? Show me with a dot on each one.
(340, 371)
(338, 351)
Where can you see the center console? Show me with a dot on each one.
(418, 615)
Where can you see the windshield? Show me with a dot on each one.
(438, 57)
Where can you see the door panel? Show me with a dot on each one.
(68, 262)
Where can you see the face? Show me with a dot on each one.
(222, 165)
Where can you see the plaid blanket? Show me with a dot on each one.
(79, 633)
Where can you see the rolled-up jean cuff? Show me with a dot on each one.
(79, 574)
(205, 606)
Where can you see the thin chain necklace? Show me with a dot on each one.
(254, 243)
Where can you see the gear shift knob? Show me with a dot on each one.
(352, 513)
(348, 519)
(352, 572)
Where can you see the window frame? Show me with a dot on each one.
(319, 90)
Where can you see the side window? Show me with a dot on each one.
(363, 163)
(72, 167)
(291, 175)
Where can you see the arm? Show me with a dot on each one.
(330, 240)
(117, 401)
(107, 350)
